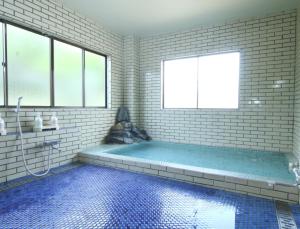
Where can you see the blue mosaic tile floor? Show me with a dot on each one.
(99, 197)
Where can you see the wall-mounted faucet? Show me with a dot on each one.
(54, 144)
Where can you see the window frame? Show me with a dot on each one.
(198, 108)
(7, 69)
(51, 75)
(83, 82)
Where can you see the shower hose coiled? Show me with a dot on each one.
(23, 153)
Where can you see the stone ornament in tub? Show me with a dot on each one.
(124, 132)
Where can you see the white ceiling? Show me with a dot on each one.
(144, 17)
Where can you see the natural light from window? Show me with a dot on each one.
(204, 82)
(180, 82)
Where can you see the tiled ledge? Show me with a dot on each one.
(199, 176)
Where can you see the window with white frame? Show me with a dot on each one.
(210, 81)
(49, 72)
(28, 67)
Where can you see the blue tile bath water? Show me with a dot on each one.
(262, 165)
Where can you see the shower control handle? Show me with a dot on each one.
(54, 144)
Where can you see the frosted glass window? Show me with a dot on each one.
(1, 69)
(203, 82)
(67, 74)
(28, 66)
(94, 79)
(218, 81)
(180, 83)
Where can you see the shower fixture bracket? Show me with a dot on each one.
(54, 144)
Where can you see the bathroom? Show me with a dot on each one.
(92, 59)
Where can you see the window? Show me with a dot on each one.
(95, 80)
(218, 81)
(1, 61)
(28, 67)
(67, 75)
(180, 83)
(204, 82)
(49, 72)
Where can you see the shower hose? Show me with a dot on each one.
(23, 153)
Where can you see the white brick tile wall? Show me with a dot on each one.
(85, 127)
(296, 145)
(267, 47)
(131, 76)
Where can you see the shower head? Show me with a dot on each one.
(19, 104)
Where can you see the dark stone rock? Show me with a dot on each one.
(124, 132)
(123, 115)
(118, 140)
(142, 134)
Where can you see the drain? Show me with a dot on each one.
(284, 216)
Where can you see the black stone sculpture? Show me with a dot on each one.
(124, 132)
(123, 115)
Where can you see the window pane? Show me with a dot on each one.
(1, 69)
(180, 83)
(67, 74)
(94, 79)
(28, 60)
(218, 81)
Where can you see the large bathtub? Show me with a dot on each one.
(247, 171)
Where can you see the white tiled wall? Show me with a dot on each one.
(267, 47)
(131, 76)
(85, 127)
(297, 92)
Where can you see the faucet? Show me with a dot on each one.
(54, 144)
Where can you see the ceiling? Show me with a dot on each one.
(144, 17)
